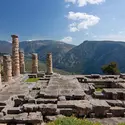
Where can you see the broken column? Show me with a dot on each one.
(7, 68)
(15, 56)
(49, 64)
(34, 63)
(22, 62)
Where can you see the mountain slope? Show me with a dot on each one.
(89, 56)
(5, 47)
(42, 47)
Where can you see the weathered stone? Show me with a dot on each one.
(7, 68)
(34, 63)
(15, 56)
(62, 98)
(115, 102)
(109, 115)
(48, 109)
(66, 104)
(22, 62)
(100, 107)
(117, 111)
(14, 110)
(66, 111)
(53, 118)
(49, 64)
(30, 107)
(46, 101)
(82, 108)
(35, 117)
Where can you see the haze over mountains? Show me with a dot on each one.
(86, 58)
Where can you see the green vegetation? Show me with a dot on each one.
(42, 67)
(111, 69)
(72, 121)
(99, 89)
(32, 80)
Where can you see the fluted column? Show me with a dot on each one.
(7, 68)
(34, 63)
(22, 62)
(49, 64)
(15, 56)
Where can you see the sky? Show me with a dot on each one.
(70, 21)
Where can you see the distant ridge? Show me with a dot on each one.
(86, 58)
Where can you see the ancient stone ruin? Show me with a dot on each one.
(55, 95)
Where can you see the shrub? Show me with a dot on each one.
(72, 121)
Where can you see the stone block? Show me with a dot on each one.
(117, 111)
(66, 111)
(62, 98)
(115, 103)
(66, 104)
(46, 101)
(100, 107)
(82, 108)
(109, 115)
(78, 94)
(35, 117)
(30, 107)
(14, 110)
(2, 103)
(48, 109)
(52, 118)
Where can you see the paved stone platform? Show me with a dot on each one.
(60, 95)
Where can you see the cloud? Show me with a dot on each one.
(81, 21)
(113, 37)
(82, 3)
(68, 39)
(67, 6)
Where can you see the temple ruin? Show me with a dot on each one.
(22, 61)
(54, 95)
(7, 68)
(34, 63)
(15, 56)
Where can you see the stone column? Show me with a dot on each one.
(15, 56)
(0, 78)
(7, 68)
(34, 63)
(49, 64)
(22, 62)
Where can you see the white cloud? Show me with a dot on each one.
(81, 21)
(81, 3)
(117, 37)
(68, 39)
(67, 6)
(71, 1)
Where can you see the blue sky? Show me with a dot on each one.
(71, 21)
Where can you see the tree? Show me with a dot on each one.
(110, 69)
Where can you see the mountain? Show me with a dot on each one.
(88, 57)
(5, 47)
(42, 47)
